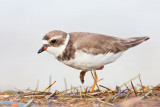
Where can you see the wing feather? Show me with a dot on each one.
(93, 43)
(97, 43)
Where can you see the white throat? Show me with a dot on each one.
(56, 51)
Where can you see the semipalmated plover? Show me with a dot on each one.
(87, 51)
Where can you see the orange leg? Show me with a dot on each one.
(95, 81)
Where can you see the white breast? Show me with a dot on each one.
(84, 61)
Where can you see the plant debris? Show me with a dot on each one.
(129, 96)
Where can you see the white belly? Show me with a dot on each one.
(84, 61)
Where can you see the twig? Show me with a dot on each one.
(37, 85)
(146, 94)
(141, 84)
(50, 79)
(71, 88)
(81, 88)
(53, 94)
(100, 80)
(120, 93)
(48, 87)
(100, 100)
(105, 87)
(134, 89)
(74, 91)
(154, 88)
(65, 83)
(130, 80)
(28, 104)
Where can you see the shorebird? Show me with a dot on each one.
(87, 51)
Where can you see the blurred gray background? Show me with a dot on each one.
(24, 23)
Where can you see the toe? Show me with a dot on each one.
(82, 74)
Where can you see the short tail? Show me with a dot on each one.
(131, 42)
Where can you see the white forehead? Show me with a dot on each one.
(45, 42)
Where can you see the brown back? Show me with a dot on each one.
(97, 43)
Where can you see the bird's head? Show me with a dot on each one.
(54, 42)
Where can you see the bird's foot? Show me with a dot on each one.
(82, 74)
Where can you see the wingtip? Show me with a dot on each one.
(147, 37)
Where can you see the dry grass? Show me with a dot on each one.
(131, 96)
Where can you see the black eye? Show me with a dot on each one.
(53, 41)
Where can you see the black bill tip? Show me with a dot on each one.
(41, 50)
